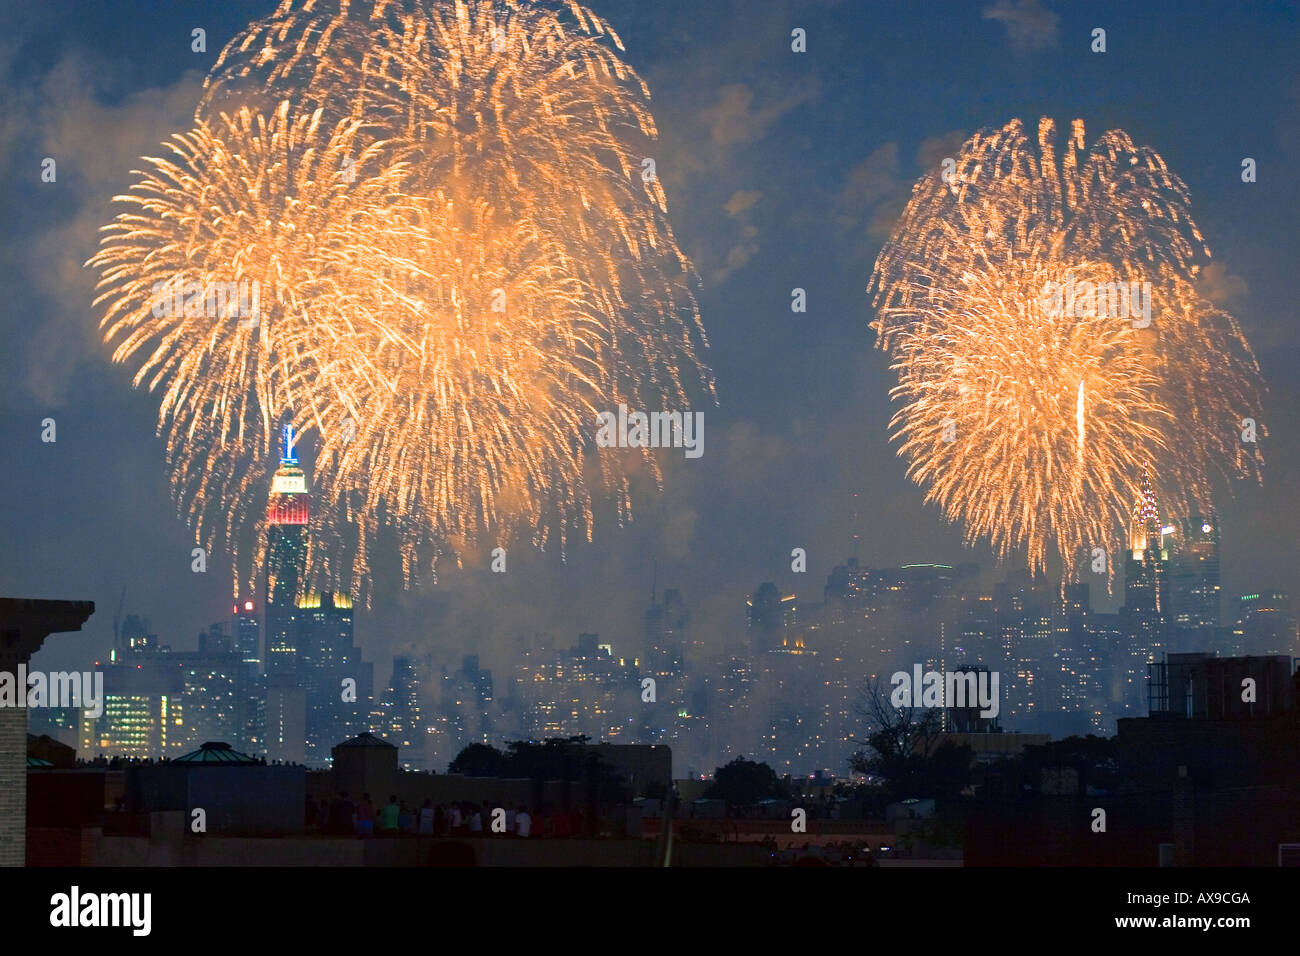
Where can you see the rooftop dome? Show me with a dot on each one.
(216, 752)
(366, 739)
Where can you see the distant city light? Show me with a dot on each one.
(1167, 529)
(1205, 528)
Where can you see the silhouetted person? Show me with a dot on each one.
(365, 816)
(342, 815)
(390, 816)
(560, 825)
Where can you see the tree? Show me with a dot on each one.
(1094, 759)
(479, 760)
(905, 746)
(557, 758)
(743, 782)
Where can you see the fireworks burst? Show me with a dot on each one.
(1049, 339)
(460, 261)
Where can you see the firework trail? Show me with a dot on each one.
(461, 261)
(1026, 411)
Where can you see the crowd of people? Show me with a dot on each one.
(844, 853)
(343, 816)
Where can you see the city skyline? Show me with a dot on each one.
(796, 671)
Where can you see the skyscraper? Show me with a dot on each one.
(1146, 581)
(403, 718)
(767, 614)
(215, 690)
(338, 685)
(665, 634)
(247, 633)
(318, 690)
(287, 513)
(1268, 622)
(1194, 573)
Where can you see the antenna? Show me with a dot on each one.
(117, 619)
(290, 439)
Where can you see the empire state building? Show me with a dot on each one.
(287, 513)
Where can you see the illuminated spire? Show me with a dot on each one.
(287, 503)
(1145, 529)
(290, 439)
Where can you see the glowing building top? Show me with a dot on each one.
(1146, 531)
(287, 504)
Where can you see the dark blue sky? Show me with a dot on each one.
(782, 170)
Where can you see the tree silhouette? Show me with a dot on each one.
(743, 782)
(905, 746)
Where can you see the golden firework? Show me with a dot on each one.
(461, 257)
(1049, 339)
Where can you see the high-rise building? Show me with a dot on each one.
(248, 645)
(402, 715)
(585, 690)
(247, 634)
(215, 691)
(665, 634)
(338, 684)
(285, 720)
(143, 712)
(793, 705)
(1268, 622)
(1194, 573)
(287, 514)
(311, 659)
(1146, 578)
(768, 613)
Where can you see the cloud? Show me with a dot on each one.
(746, 246)
(1219, 286)
(873, 197)
(742, 201)
(877, 190)
(95, 146)
(1029, 26)
(734, 121)
(935, 149)
(873, 179)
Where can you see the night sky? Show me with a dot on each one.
(782, 170)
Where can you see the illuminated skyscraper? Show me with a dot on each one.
(339, 686)
(247, 635)
(1194, 573)
(248, 646)
(1268, 622)
(768, 613)
(318, 690)
(1146, 580)
(287, 512)
(402, 719)
(665, 634)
